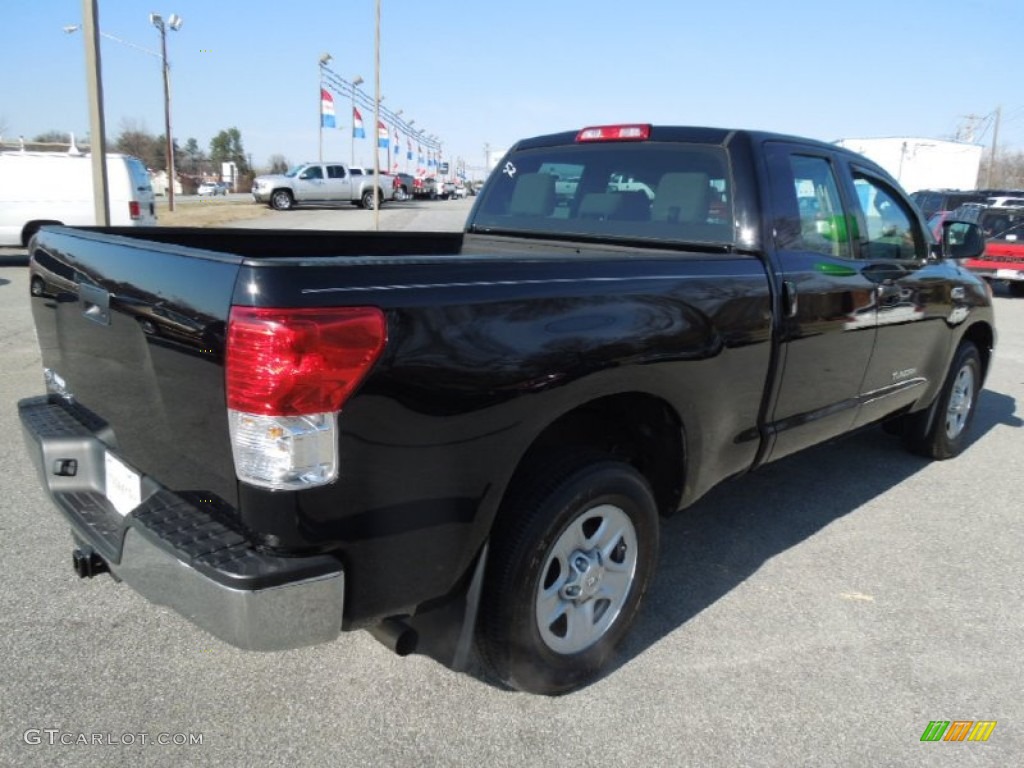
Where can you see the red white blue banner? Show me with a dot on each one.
(357, 125)
(326, 109)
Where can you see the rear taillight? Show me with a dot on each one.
(615, 133)
(133, 210)
(288, 373)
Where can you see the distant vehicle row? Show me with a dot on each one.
(333, 182)
(932, 201)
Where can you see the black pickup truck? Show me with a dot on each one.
(283, 435)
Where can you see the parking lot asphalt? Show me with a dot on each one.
(819, 612)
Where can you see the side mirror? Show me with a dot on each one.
(962, 240)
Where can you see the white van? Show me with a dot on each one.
(39, 188)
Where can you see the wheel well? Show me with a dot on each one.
(32, 227)
(983, 338)
(639, 429)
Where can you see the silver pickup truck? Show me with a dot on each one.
(328, 182)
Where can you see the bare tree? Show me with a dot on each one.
(1007, 171)
(135, 140)
(278, 163)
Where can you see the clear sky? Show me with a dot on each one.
(479, 72)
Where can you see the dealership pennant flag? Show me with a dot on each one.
(398, 141)
(326, 109)
(408, 155)
(357, 125)
(382, 135)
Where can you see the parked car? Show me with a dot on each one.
(479, 432)
(212, 188)
(402, 186)
(1004, 201)
(332, 182)
(1003, 259)
(428, 188)
(932, 201)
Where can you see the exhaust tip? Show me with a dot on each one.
(86, 563)
(396, 635)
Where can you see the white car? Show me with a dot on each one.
(1006, 202)
(212, 188)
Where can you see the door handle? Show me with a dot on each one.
(888, 290)
(95, 303)
(789, 298)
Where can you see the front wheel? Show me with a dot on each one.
(571, 558)
(941, 432)
(281, 200)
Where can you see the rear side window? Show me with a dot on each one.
(138, 174)
(808, 212)
(335, 172)
(822, 221)
(658, 191)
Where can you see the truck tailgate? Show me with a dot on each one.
(133, 332)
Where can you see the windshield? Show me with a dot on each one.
(652, 191)
(1002, 224)
(294, 171)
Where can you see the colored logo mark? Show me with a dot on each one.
(958, 730)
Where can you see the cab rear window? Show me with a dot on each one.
(672, 192)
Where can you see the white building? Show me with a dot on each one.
(919, 163)
(158, 181)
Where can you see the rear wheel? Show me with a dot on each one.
(941, 432)
(570, 561)
(368, 202)
(281, 200)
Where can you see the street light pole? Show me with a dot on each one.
(174, 22)
(325, 59)
(357, 81)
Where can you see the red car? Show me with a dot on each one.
(1004, 248)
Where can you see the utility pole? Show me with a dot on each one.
(174, 22)
(376, 119)
(97, 128)
(995, 142)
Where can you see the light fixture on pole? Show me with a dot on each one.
(325, 59)
(356, 82)
(174, 22)
(72, 28)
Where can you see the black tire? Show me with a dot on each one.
(941, 432)
(281, 200)
(1016, 288)
(37, 287)
(577, 542)
(367, 202)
